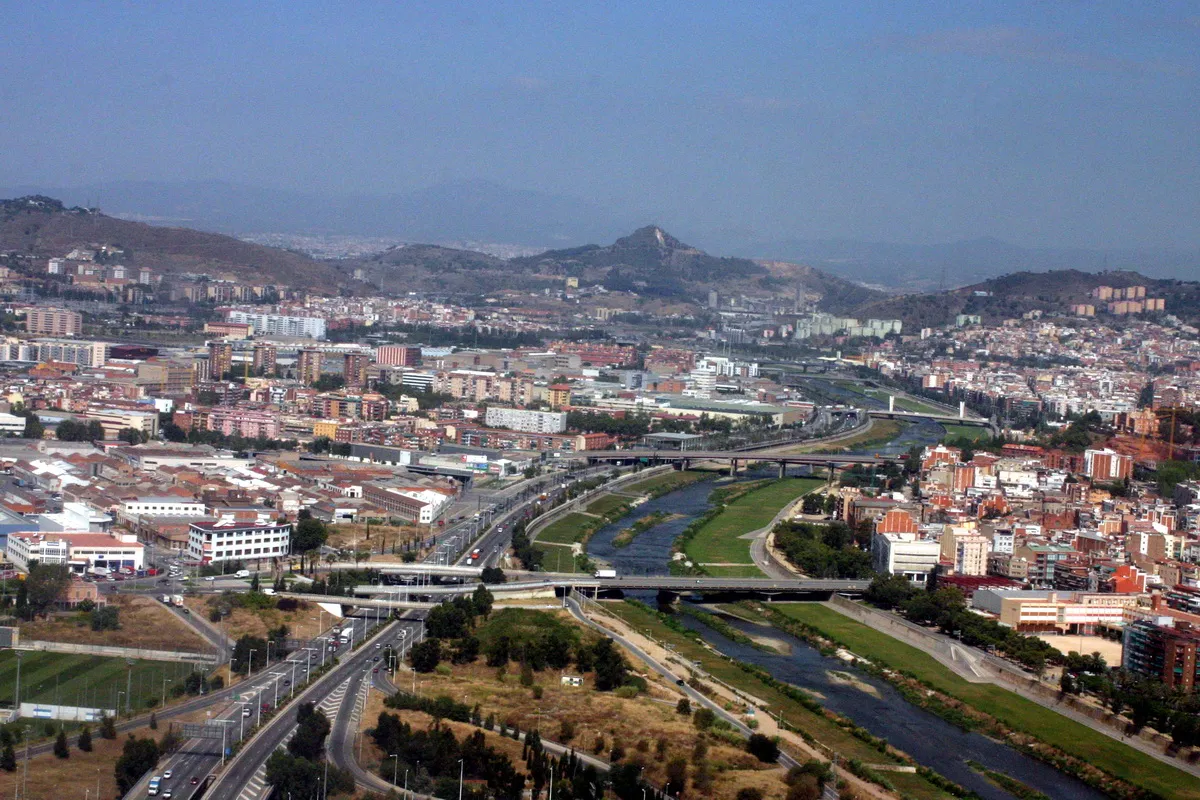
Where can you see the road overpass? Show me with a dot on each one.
(941, 419)
(768, 588)
(735, 458)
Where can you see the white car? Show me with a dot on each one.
(211, 578)
(167, 775)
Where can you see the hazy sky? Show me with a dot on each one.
(1070, 123)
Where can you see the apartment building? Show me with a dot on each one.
(398, 355)
(54, 322)
(527, 421)
(905, 554)
(1163, 648)
(279, 324)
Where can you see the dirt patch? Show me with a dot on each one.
(387, 537)
(304, 623)
(850, 679)
(777, 645)
(145, 623)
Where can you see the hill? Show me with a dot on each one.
(649, 261)
(43, 227)
(1011, 296)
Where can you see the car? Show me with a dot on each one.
(167, 775)
(374, 671)
(245, 711)
(210, 578)
(167, 795)
(376, 658)
(195, 780)
(265, 707)
(378, 645)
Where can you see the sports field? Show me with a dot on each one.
(89, 681)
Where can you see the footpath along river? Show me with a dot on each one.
(874, 705)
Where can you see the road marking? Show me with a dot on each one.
(257, 787)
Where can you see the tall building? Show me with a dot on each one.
(220, 359)
(904, 554)
(528, 421)
(354, 369)
(560, 395)
(308, 366)
(280, 324)
(264, 359)
(1163, 648)
(397, 355)
(1107, 465)
(54, 321)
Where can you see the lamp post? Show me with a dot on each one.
(395, 757)
(460, 779)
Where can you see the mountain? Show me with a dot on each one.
(1011, 296)
(935, 267)
(455, 211)
(44, 227)
(648, 261)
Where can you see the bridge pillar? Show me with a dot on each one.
(782, 470)
(962, 409)
(891, 403)
(733, 467)
(685, 463)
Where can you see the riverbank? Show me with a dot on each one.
(716, 545)
(1041, 732)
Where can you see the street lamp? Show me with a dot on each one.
(396, 767)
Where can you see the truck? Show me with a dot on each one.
(99, 572)
(606, 573)
(346, 634)
(166, 598)
(242, 573)
(177, 600)
(155, 782)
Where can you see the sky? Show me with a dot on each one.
(1041, 123)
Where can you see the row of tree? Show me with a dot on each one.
(824, 550)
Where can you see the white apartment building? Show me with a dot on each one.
(11, 423)
(905, 554)
(279, 324)
(526, 421)
(212, 542)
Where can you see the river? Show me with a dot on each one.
(929, 739)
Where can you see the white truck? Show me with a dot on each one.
(177, 600)
(99, 572)
(606, 573)
(242, 573)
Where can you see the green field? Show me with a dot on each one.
(556, 558)
(668, 482)
(972, 432)
(719, 542)
(90, 681)
(608, 504)
(825, 731)
(567, 529)
(1011, 709)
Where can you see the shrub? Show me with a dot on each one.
(763, 748)
(704, 718)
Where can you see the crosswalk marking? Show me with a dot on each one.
(257, 787)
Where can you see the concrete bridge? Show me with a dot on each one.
(735, 458)
(558, 583)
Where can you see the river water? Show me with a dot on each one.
(871, 703)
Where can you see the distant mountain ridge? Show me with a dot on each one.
(1011, 296)
(486, 211)
(45, 228)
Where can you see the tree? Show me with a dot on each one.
(308, 535)
(684, 706)
(447, 621)
(763, 748)
(889, 591)
(482, 599)
(8, 758)
(704, 718)
(749, 793)
(108, 729)
(676, 776)
(44, 585)
(106, 618)
(132, 435)
(255, 586)
(85, 739)
(311, 729)
(153, 722)
(492, 575)
(609, 666)
(61, 748)
(137, 758)
(34, 429)
(247, 651)
(426, 655)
